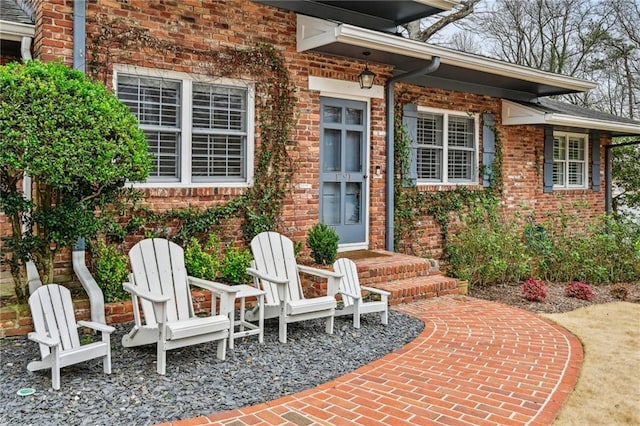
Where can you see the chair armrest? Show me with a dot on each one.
(346, 293)
(144, 294)
(275, 280)
(43, 339)
(376, 291)
(324, 273)
(212, 285)
(97, 326)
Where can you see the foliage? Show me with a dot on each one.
(202, 262)
(534, 290)
(620, 291)
(579, 290)
(487, 249)
(625, 171)
(323, 242)
(110, 271)
(234, 266)
(77, 142)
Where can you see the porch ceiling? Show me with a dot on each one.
(458, 70)
(375, 15)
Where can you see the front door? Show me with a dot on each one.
(343, 178)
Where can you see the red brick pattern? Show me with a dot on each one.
(476, 363)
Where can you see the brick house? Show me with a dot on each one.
(202, 127)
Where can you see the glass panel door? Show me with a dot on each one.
(342, 165)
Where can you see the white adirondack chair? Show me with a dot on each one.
(56, 331)
(351, 292)
(275, 271)
(159, 285)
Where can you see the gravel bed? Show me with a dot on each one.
(196, 382)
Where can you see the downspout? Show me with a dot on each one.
(96, 298)
(608, 178)
(428, 69)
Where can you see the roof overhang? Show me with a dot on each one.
(517, 114)
(458, 70)
(375, 15)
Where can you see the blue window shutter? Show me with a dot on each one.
(488, 147)
(410, 122)
(548, 160)
(595, 160)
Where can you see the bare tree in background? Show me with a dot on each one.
(423, 30)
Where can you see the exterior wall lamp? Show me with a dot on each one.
(365, 78)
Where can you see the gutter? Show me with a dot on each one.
(390, 227)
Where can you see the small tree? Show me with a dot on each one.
(77, 142)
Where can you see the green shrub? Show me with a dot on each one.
(486, 250)
(202, 262)
(323, 242)
(234, 266)
(111, 271)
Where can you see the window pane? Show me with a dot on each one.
(353, 116)
(429, 130)
(218, 107)
(331, 114)
(352, 203)
(154, 101)
(331, 158)
(165, 150)
(353, 155)
(460, 165)
(559, 147)
(461, 132)
(429, 163)
(558, 173)
(576, 149)
(217, 156)
(331, 203)
(576, 173)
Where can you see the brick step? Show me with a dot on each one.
(418, 288)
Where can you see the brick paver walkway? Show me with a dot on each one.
(475, 363)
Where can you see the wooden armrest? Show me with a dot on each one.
(212, 285)
(346, 293)
(275, 280)
(144, 294)
(376, 291)
(319, 272)
(43, 339)
(97, 326)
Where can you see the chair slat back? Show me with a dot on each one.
(158, 267)
(350, 281)
(52, 314)
(274, 255)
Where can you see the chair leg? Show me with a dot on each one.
(222, 349)
(329, 325)
(356, 313)
(282, 325)
(106, 360)
(161, 359)
(385, 317)
(55, 368)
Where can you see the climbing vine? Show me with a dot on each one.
(259, 207)
(444, 207)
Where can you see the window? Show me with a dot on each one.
(570, 159)
(447, 146)
(199, 132)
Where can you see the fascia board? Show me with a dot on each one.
(313, 33)
(15, 30)
(440, 4)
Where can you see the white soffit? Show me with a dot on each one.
(313, 33)
(516, 114)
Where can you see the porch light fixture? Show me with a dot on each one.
(365, 78)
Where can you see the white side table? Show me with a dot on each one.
(247, 328)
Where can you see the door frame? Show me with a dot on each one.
(348, 90)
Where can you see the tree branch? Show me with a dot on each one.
(465, 10)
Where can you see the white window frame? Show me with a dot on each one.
(566, 161)
(445, 146)
(187, 80)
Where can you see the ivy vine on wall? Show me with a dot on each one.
(413, 204)
(259, 207)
